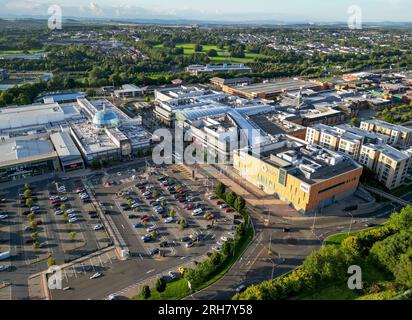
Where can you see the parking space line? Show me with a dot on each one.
(74, 271)
(101, 262)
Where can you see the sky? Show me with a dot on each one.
(219, 10)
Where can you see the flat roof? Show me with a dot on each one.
(276, 86)
(16, 151)
(64, 145)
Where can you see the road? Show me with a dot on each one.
(289, 249)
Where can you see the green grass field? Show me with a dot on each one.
(20, 51)
(223, 55)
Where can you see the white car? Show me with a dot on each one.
(160, 199)
(232, 234)
(225, 239)
(224, 206)
(212, 197)
(220, 243)
(189, 244)
(58, 212)
(53, 197)
(73, 220)
(63, 199)
(197, 212)
(72, 215)
(98, 227)
(4, 216)
(152, 228)
(135, 205)
(96, 275)
(119, 174)
(35, 208)
(4, 268)
(70, 211)
(168, 220)
(217, 249)
(172, 275)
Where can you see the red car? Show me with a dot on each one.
(228, 210)
(145, 218)
(219, 202)
(39, 222)
(210, 217)
(54, 201)
(189, 207)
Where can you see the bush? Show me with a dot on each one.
(161, 285)
(146, 293)
(230, 198)
(220, 190)
(403, 270)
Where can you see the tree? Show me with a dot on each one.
(354, 121)
(51, 262)
(35, 235)
(171, 213)
(239, 203)
(198, 48)
(72, 235)
(212, 53)
(146, 293)
(130, 202)
(220, 190)
(31, 216)
(27, 193)
(403, 270)
(29, 202)
(230, 198)
(33, 224)
(161, 285)
(63, 207)
(182, 224)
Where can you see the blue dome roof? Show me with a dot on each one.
(106, 118)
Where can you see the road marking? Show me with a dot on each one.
(123, 227)
(150, 271)
(140, 255)
(74, 272)
(101, 262)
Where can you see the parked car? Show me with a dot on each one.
(98, 227)
(154, 251)
(212, 197)
(217, 249)
(168, 220)
(152, 228)
(73, 220)
(146, 238)
(163, 244)
(138, 225)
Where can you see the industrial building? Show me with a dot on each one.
(198, 69)
(304, 176)
(269, 89)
